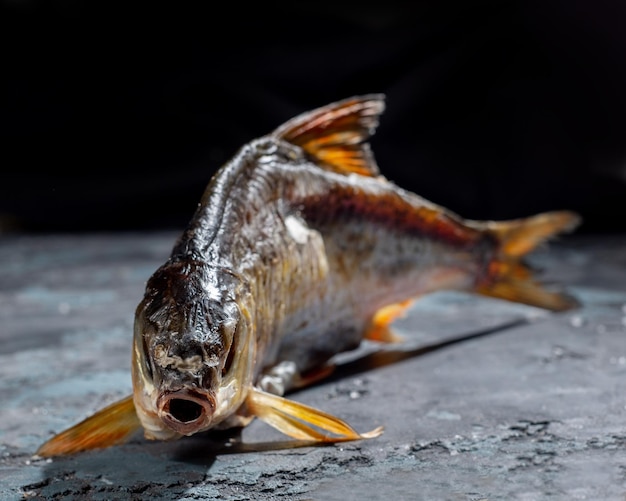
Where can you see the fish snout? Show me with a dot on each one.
(186, 411)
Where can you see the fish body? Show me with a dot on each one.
(298, 250)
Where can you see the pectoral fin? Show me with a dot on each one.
(110, 426)
(297, 420)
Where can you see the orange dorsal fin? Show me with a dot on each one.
(110, 426)
(508, 277)
(336, 135)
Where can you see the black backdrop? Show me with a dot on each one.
(115, 116)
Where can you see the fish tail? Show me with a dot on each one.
(508, 277)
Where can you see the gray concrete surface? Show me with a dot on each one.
(486, 400)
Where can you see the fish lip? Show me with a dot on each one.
(205, 400)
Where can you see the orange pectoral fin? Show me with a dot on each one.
(110, 426)
(379, 328)
(297, 420)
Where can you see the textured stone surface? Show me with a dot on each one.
(486, 400)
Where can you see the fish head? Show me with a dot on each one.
(193, 351)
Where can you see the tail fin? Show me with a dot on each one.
(508, 277)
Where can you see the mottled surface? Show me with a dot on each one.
(532, 411)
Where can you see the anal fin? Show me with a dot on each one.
(379, 328)
(301, 421)
(110, 426)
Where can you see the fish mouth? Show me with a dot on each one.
(186, 411)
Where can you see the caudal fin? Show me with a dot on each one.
(508, 277)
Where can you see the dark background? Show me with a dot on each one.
(114, 116)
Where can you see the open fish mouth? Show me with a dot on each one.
(186, 411)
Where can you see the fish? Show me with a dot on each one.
(299, 250)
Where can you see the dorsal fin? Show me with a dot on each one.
(336, 134)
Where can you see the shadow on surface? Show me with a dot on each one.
(139, 463)
(384, 357)
(196, 452)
